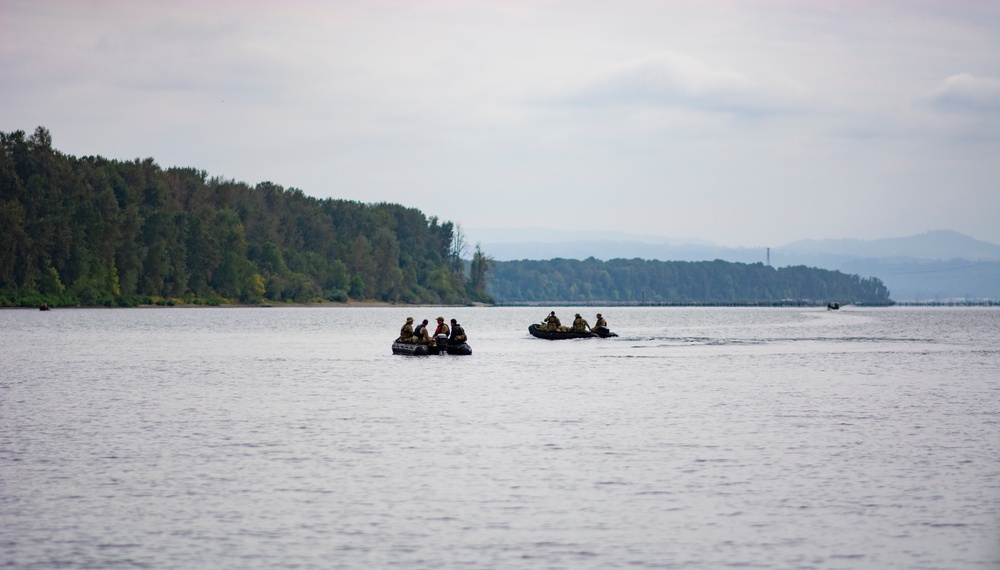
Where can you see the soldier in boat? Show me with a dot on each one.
(551, 322)
(600, 322)
(406, 333)
(420, 334)
(457, 333)
(580, 324)
(442, 327)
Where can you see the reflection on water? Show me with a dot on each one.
(699, 438)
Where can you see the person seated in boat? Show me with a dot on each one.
(457, 333)
(600, 322)
(442, 327)
(406, 333)
(551, 322)
(421, 334)
(580, 324)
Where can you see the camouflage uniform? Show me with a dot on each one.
(406, 333)
(552, 322)
(580, 324)
(457, 333)
(421, 336)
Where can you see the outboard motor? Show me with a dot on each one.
(442, 341)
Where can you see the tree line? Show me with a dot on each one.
(664, 282)
(93, 231)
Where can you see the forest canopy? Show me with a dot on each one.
(633, 281)
(93, 231)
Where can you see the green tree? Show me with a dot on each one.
(481, 264)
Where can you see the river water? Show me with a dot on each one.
(700, 438)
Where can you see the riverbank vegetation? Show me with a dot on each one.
(636, 281)
(97, 232)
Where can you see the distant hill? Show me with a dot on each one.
(936, 245)
(935, 265)
(632, 281)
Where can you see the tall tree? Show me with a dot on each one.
(481, 264)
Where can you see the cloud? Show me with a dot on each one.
(964, 93)
(672, 80)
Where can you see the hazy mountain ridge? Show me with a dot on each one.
(935, 245)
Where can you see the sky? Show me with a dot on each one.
(743, 123)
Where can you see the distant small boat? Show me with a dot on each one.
(441, 347)
(598, 332)
(44, 307)
(833, 306)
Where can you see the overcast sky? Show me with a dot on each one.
(745, 123)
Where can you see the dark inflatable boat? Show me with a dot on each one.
(441, 347)
(598, 332)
